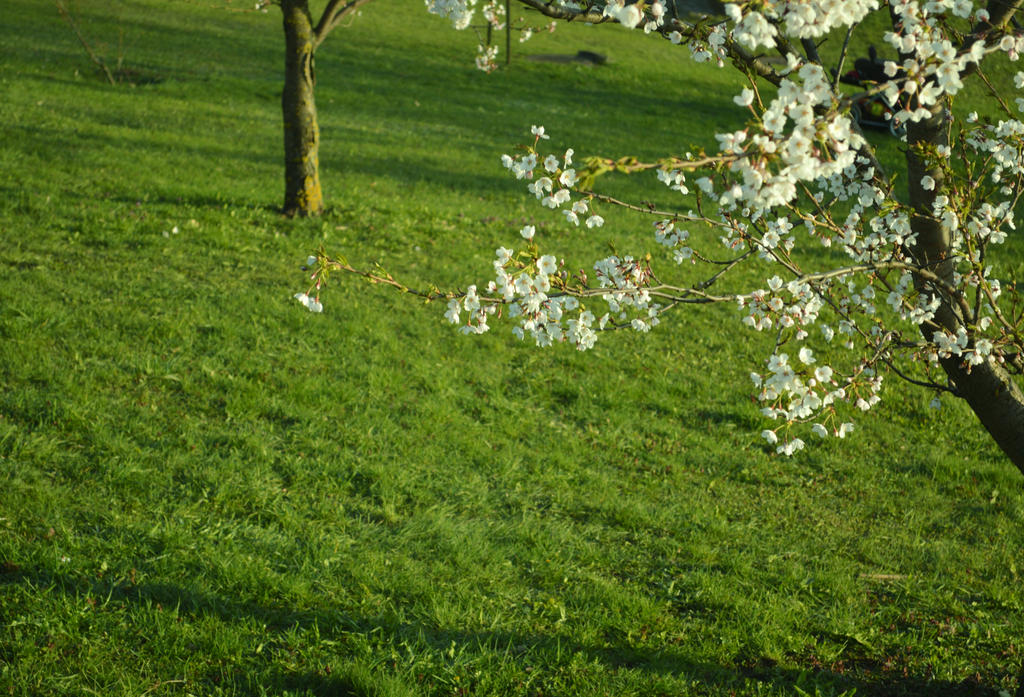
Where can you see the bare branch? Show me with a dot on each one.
(811, 49)
(928, 384)
(842, 57)
(995, 94)
(675, 215)
(88, 49)
(335, 11)
(554, 12)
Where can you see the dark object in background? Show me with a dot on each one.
(874, 111)
(585, 57)
(697, 7)
(591, 57)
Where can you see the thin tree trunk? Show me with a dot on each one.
(988, 388)
(302, 193)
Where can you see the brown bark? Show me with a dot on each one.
(302, 193)
(988, 388)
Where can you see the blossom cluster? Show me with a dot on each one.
(800, 19)
(803, 393)
(494, 14)
(674, 238)
(486, 59)
(549, 306)
(800, 170)
(460, 12)
(631, 15)
(312, 302)
(554, 185)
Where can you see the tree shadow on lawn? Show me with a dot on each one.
(863, 674)
(342, 145)
(337, 162)
(446, 101)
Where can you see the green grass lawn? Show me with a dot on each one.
(206, 490)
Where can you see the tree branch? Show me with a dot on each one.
(842, 58)
(1000, 12)
(549, 10)
(331, 16)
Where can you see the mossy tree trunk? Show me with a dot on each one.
(302, 193)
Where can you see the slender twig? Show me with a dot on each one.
(842, 57)
(913, 381)
(728, 267)
(650, 211)
(994, 93)
(85, 44)
(675, 294)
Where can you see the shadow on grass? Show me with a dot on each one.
(196, 202)
(404, 170)
(860, 675)
(453, 99)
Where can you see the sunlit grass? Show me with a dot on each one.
(206, 490)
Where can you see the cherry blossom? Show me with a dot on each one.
(857, 283)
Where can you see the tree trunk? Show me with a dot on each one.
(302, 193)
(988, 388)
